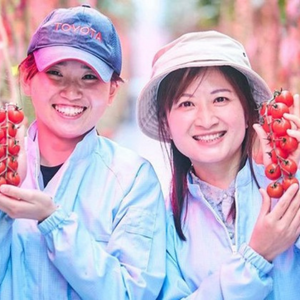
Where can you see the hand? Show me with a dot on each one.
(24, 203)
(276, 230)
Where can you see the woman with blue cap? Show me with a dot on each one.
(88, 221)
(226, 239)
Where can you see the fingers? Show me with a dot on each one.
(296, 105)
(294, 115)
(295, 121)
(25, 203)
(266, 203)
(264, 142)
(294, 205)
(12, 191)
(294, 118)
(285, 207)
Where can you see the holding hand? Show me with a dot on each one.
(276, 230)
(25, 203)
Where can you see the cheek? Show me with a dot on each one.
(100, 104)
(172, 125)
(239, 127)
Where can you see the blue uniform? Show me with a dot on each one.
(210, 266)
(106, 240)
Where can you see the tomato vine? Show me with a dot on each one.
(10, 118)
(282, 168)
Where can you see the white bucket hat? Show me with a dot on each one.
(196, 49)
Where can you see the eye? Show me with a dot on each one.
(186, 104)
(53, 72)
(220, 100)
(90, 77)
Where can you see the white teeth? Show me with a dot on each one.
(208, 138)
(69, 110)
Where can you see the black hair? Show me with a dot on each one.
(170, 90)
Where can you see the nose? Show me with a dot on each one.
(205, 117)
(71, 91)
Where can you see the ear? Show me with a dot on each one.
(114, 87)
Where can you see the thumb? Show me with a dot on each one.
(296, 106)
(266, 203)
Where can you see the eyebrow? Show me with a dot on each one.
(221, 90)
(83, 66)
(213, 92)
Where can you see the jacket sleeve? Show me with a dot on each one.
(132, 265)
(5, 242)
(243, 276)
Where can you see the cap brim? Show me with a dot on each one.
(48, 56)
(146, 105)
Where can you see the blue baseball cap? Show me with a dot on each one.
(80, 33)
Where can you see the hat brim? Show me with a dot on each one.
(48, 56)
(147, 108)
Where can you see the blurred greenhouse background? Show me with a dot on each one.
(269, 30)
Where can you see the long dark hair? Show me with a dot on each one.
(170, 90)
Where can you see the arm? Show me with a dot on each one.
(129, 264)
(132, 265)
(243, 276)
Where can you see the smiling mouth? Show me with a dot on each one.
(209, 137)
(70, 111)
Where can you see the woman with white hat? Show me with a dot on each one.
(226, 239)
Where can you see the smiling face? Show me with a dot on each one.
(69, 99)
(207, 123)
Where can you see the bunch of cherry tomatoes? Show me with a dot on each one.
(10, 118)
(282, 168)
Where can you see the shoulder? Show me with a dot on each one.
(125, 163)
(113, 153)
(245, 176)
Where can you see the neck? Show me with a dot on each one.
(54, 150)
(219, 175)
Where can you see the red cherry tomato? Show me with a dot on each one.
(278, 109)
(265, 109)
(280, 126)
(15, 115)
(13, 178)
(265, 124)
(2, 133)
(288, 181)
(288, 143)
(278, 153)
(12, 163)
(12, 129)
(2, 115)
(273, 171)
(2, 151)
(2, 167)
(285, 97)
(288, 166)
(275, 190)
(13, 146)
(2, 180)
